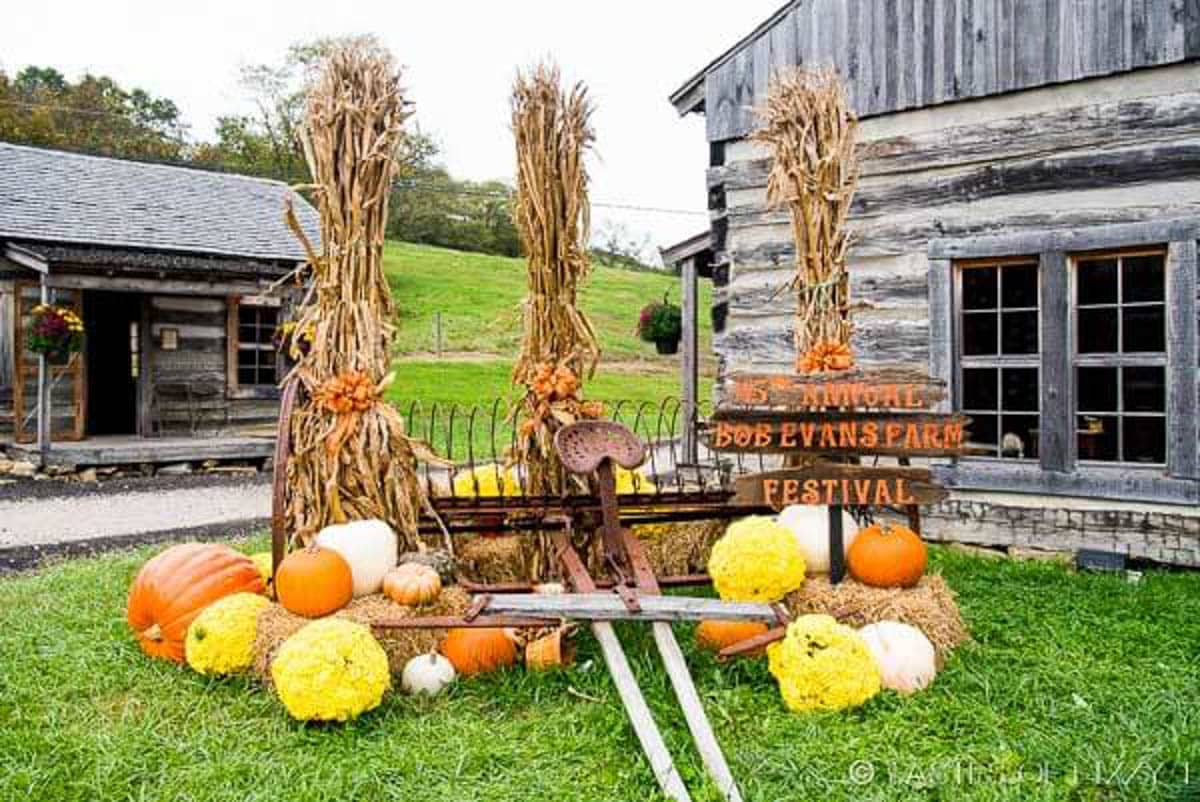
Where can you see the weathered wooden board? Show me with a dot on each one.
(610, 607)
(907, 54)
(880, 388)
(890, 433)
(826, 484)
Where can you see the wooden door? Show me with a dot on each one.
(67, 396)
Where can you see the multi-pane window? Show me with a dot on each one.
(1120, 358)
(999, 356)
(255, 345)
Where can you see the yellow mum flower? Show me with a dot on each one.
(331, 670)
(489, 479)
(221, 639)
(823, 665)
(757, 560)
(265, 564)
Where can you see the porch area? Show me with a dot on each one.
(135, 450)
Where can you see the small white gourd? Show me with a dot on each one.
(427, 673)
(907, 660)
(370, 547)
(810, 525)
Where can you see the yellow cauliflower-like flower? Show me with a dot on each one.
(823, 665)
(633, 482)
(331, 670)
(263, 562)
(221, 639)
(757, 560)
(490, 479)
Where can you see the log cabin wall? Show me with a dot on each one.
(198, 366)
(1116, 150)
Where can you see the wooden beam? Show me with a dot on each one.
(1182, 356)
(609, 607)
(152, 286)
(1056, 446)
(689, 363)
(44, 413)
(27, 259)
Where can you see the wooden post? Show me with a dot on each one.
(689, 364)
(437, 333)
(837, 554)
(44, 411)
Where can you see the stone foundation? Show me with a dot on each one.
(1157, 532)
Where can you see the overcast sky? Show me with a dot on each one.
(460, 59)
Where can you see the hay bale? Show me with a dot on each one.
(491, 559)
(680, 547)
(275, 625)
(930, 607)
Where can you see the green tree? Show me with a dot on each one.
(95, 114)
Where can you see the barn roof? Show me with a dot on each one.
(51, 196)
(897, 56)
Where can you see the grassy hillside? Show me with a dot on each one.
(479, 297)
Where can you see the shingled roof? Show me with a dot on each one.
(53, 196)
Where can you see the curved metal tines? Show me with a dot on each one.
(479, 439)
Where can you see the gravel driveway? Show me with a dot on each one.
(38, 519)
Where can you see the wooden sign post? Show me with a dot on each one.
(824, 424)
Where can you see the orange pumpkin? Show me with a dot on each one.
(412, 584)
(887, 557)
(314, 582)
(716, 635)
(476, 651)
(174, 587)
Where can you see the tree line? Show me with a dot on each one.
(94, 114)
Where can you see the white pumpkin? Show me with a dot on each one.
(810, 525)
(427, 673)
(907, 660)
(368, 546)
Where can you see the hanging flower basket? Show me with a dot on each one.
(661, 323)
(55, 332)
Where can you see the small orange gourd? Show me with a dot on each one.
(476, 651)
(887, 557)
(412, 584)
(314, 582)
(174, 587)
(716, 635)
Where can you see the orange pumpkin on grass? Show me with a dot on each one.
(479, 650)
(174, 587)
(314, 582)
(887, 557)
(717, 635)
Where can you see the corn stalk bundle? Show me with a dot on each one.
(559, 348)
(811, 131)
(351, 457)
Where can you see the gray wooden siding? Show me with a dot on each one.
(201, 360)
(1054, 171)
(905, 54)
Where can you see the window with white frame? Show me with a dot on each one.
(998, 355)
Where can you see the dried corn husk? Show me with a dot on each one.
(811, 131)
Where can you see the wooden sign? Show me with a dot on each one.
(877, 389)
(831, 484)
(838, 433)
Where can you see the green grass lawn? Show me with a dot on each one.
(479, 297)
(1078, 687)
